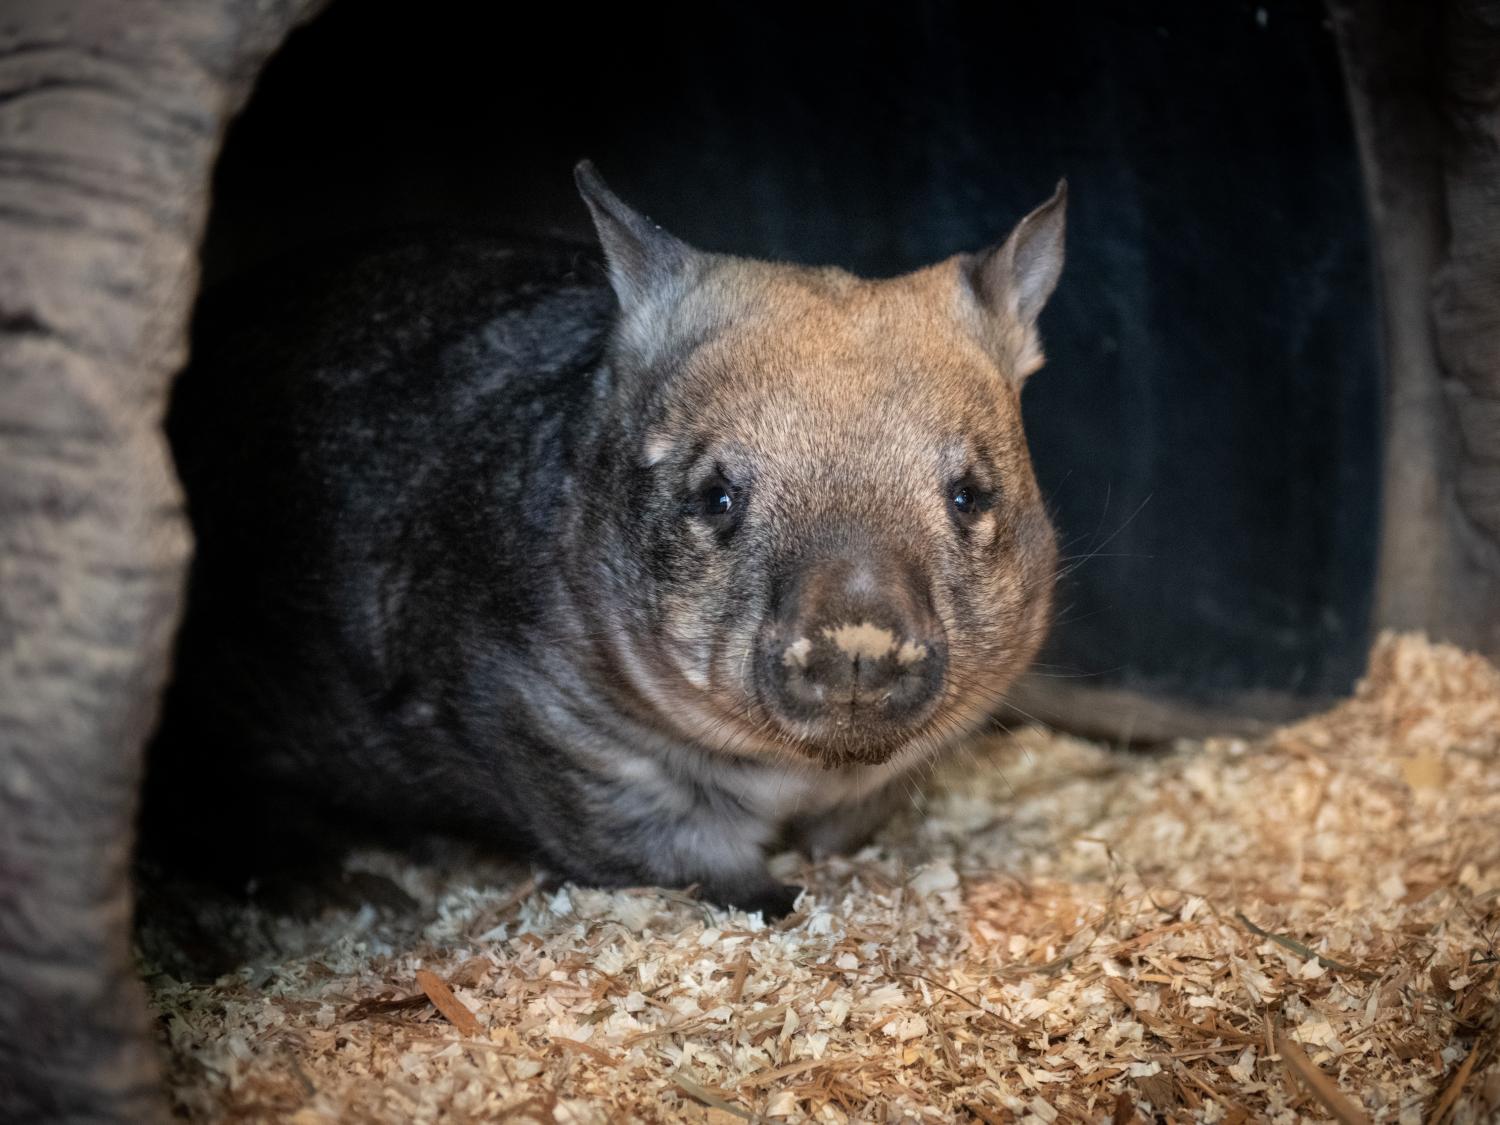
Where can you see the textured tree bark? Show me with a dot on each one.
(110, 119)
(1466, 302)
(1424, 88)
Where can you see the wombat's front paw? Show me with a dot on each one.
(773, 900)
(305, 895)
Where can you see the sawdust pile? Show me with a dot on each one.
(1302, 928)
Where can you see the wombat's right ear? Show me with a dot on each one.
(644, 261)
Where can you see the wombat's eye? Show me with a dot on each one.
(717, 501)
(968, 501)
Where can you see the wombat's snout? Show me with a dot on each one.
(854, 641)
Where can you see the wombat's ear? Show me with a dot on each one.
(1012, 281)
(644, 261)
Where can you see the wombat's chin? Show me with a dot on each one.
(834, 744)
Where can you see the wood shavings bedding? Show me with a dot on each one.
(1298, 929)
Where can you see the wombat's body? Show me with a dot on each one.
(638, 574)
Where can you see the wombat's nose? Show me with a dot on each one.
(853, 638)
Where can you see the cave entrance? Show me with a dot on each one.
(1207, 428)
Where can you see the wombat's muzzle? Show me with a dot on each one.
(852, 643)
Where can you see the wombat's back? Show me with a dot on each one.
(377, 344)
(350, 419)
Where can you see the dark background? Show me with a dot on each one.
(1207, 424)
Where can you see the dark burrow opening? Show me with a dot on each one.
(1206, 428)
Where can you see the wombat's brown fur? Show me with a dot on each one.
(641, 580)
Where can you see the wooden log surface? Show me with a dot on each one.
(111, 116)
(1424, 89)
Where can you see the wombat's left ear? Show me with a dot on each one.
(1012, 281)
(644, 260)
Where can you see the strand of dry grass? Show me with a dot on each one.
(1319, 1084)
(454, 1010)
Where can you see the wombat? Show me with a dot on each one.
(642, 569)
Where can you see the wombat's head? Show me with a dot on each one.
(813, 514)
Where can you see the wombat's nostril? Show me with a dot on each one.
(910, 652)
